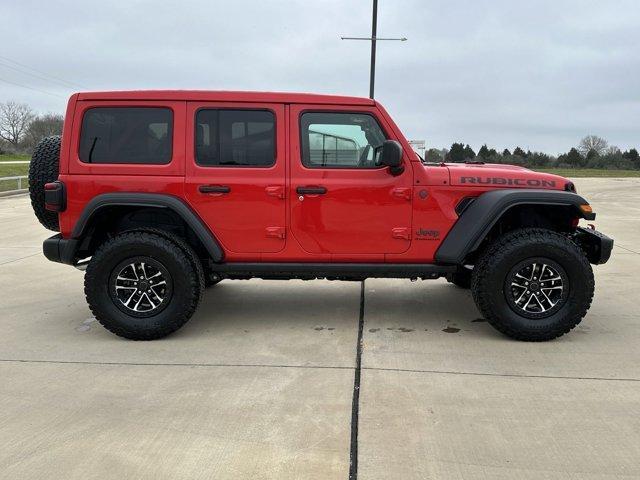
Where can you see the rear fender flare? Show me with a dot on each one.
(153, 200)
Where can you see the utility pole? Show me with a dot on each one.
(373, 39)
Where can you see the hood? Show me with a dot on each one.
(506, 176)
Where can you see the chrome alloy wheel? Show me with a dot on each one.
(536, 288)
(140, 287)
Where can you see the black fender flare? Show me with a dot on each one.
(481, 215)
(154, 200)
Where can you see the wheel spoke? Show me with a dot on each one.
(127, 279)
(521, 297)
(549, 300)
(153, 305)
(158, 297)
(129, 299)
(533, 271)
(540, 303)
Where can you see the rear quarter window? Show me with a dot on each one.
(131, 135)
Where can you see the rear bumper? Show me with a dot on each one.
(61, 250)
(596, 245)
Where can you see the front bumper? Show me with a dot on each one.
(61, 250)
(596, 245)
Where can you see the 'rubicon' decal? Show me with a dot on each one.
(520, 182)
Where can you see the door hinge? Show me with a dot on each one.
(275, 191)
(402, 233)
(276, 232)
(402, 192)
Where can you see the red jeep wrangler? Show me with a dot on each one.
(159, 194)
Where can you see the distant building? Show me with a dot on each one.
(418, 146)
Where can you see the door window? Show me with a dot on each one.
(138, 135)
(340, 140)
(241, 138)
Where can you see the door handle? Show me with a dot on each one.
(220, 189)
(402, 192)
(311, 190)
(275, 191)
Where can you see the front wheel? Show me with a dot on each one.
(142, 285)
(533, 284)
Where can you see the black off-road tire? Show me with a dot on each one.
(461, 278)
(187, 284)
(500, 258)
(44, 168)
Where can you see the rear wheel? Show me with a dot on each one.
(533, 284)
(142, 286)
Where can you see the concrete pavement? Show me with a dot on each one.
(259, 383)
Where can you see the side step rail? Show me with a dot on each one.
(345, 271)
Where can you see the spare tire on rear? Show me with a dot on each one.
(44, 168)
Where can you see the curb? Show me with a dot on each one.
(12, 193)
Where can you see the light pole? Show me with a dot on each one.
(373, 39)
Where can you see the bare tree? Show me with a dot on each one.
(592, 142)
(43, 126)
(613, 150)
(14, 121)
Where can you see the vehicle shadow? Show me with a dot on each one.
(322, 305)
(271, 305)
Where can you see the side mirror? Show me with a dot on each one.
(391, 156)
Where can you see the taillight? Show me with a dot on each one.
(55, 199)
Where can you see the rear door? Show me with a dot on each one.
(342, 202)
(235, 173)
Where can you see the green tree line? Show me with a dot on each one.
(591, 152)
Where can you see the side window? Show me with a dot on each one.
(136, 135)
(244, 138)
(340, 140)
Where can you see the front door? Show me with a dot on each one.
(342, 201)
(235, 174)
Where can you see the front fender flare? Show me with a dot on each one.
(479, 217)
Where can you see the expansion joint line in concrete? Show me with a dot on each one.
(355, 402)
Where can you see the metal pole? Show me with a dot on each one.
(374, 27)
(373, 39)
